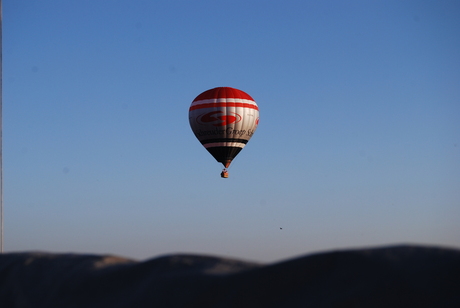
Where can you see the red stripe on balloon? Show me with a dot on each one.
(223, 92)
(213, 105)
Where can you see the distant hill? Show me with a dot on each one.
(400, 276)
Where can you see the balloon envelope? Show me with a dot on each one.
(224, 119)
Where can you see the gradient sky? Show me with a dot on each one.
(358, 143)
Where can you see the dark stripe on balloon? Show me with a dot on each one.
(223, 140)
(224, 154)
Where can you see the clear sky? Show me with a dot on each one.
(358, 143)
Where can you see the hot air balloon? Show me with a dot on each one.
(224, 119)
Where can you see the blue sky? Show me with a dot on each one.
(358, 143)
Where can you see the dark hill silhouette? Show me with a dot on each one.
(400, 276)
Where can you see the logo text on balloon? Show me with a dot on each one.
(218, 118)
